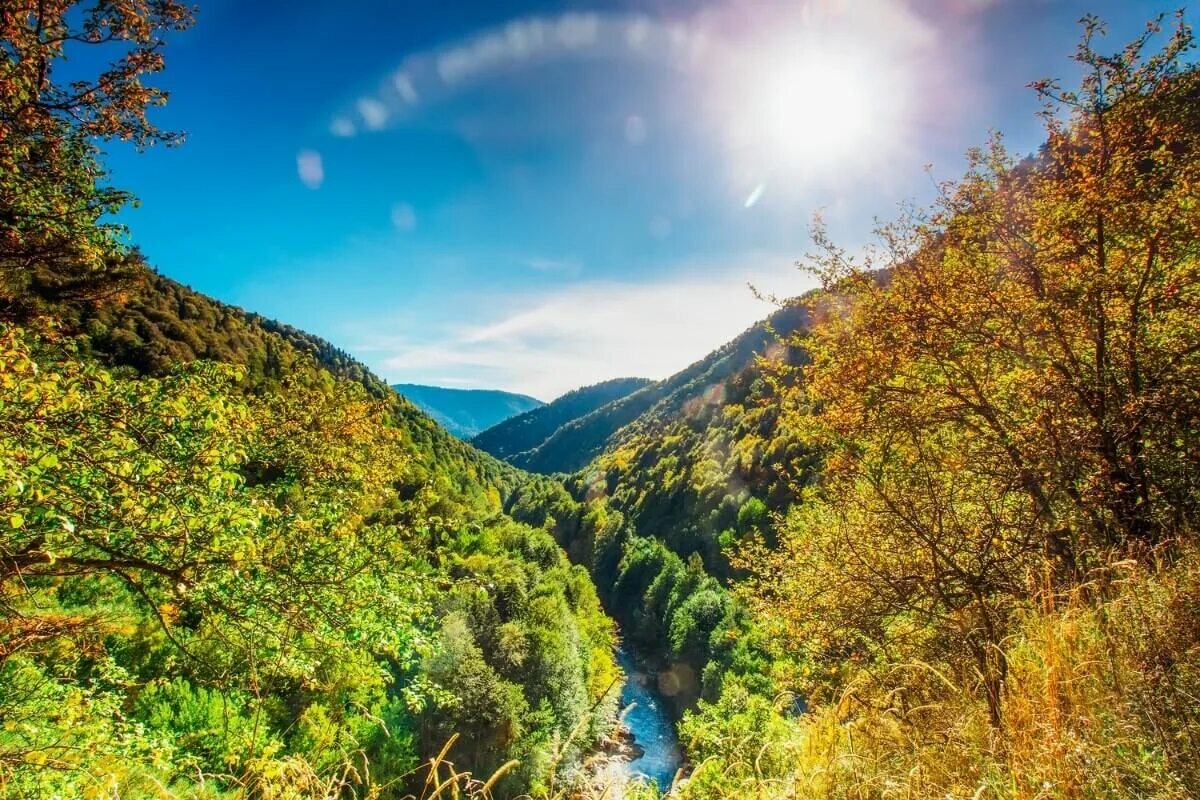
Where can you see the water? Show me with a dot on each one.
(650, 725)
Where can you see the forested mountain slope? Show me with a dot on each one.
(687, 478)
(578, 442)
(466, 412)
(154, 324)
(990, 590)
(987, 585)
(293, 435)
(708, 462)
(233, 563)
(511, 439)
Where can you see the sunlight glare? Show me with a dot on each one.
(811, 109)
(812, 103)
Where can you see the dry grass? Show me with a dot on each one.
(1102, 700)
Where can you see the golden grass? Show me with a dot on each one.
(1102, 700)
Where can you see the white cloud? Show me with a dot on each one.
(548, 342)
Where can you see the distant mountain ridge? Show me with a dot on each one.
(578, 441)
(466, 412)
(514, 437)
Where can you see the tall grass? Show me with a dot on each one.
(1102, 700)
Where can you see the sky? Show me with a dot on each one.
(536, 196)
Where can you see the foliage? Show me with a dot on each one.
(261, 594)
(704, 467)
(232, 561)
(54, 241)
(994, 564)
(687, 399)
(1099, 703)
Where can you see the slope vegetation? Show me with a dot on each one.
(184, 472)
(574, 445)
(234, 563)
(707, 463)
(693, 463)
(154, 324)
(513, 438)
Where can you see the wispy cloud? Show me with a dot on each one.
(548, 342)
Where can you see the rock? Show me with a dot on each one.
(633, 751)
(621, 745)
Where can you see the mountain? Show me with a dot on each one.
(158, 324)
(578, 441)
(706, 463)
(467, 412)
(513, 438)
(231, 465)
(667, 481)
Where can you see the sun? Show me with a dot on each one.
(810, 109)
(794, 109)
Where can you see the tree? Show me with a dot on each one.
(246, 516)
(1011, 383)
(52, 199)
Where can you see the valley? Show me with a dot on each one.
(926, 530)
(466, 412)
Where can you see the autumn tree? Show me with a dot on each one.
(1008, 388)
(54, 238)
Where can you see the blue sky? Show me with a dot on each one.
(534, 195)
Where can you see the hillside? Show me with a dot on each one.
(690, 467)
(157, 324)
(467, 412)
(574, 445)
(512, 439)
(204, 439)
(707, 463)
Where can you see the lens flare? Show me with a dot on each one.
(818, 106)
(817, 98)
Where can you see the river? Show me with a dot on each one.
(647, 719)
